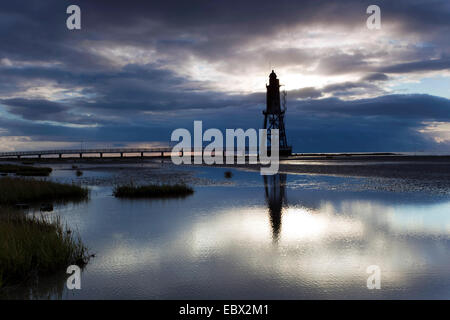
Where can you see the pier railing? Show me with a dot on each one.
(61, 152)
(160, 151)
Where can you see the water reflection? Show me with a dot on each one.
(219, 243)
(275, 195)
(37, 288)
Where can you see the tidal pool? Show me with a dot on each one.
(249, 237)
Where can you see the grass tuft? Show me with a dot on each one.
(25, 170)
(32, 246)
(152, 191)
(22, 190)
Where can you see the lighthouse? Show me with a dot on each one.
(274, 113)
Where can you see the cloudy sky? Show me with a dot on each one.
(139, 69)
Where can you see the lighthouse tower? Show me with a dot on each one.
(274, 113)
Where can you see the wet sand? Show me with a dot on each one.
(412, 167)
(397, 173)
(401, 173)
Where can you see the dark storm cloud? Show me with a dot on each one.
(305, 93)
(346, 63)
(375, 77)
(129, 90)
(347, 88)
(425, 65)
(32, 109)
(415, 107)
(343, 63)
(44, 110)
(210, 29)
(389, 123)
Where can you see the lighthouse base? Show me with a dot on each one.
(287, 151)
(283, 152)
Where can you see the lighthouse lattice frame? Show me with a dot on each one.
(274, 114)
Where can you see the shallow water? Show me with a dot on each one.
(283, 237)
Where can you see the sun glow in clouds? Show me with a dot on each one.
(439, 131)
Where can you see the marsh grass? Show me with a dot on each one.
(25, 170)
(22, 190)
(152, 191)
(32, 246)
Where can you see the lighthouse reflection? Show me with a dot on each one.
(275, 195)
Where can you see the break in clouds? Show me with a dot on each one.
(138, 70)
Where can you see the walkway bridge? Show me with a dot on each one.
(122, 152)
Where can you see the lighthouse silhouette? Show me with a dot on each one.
(274, 114)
